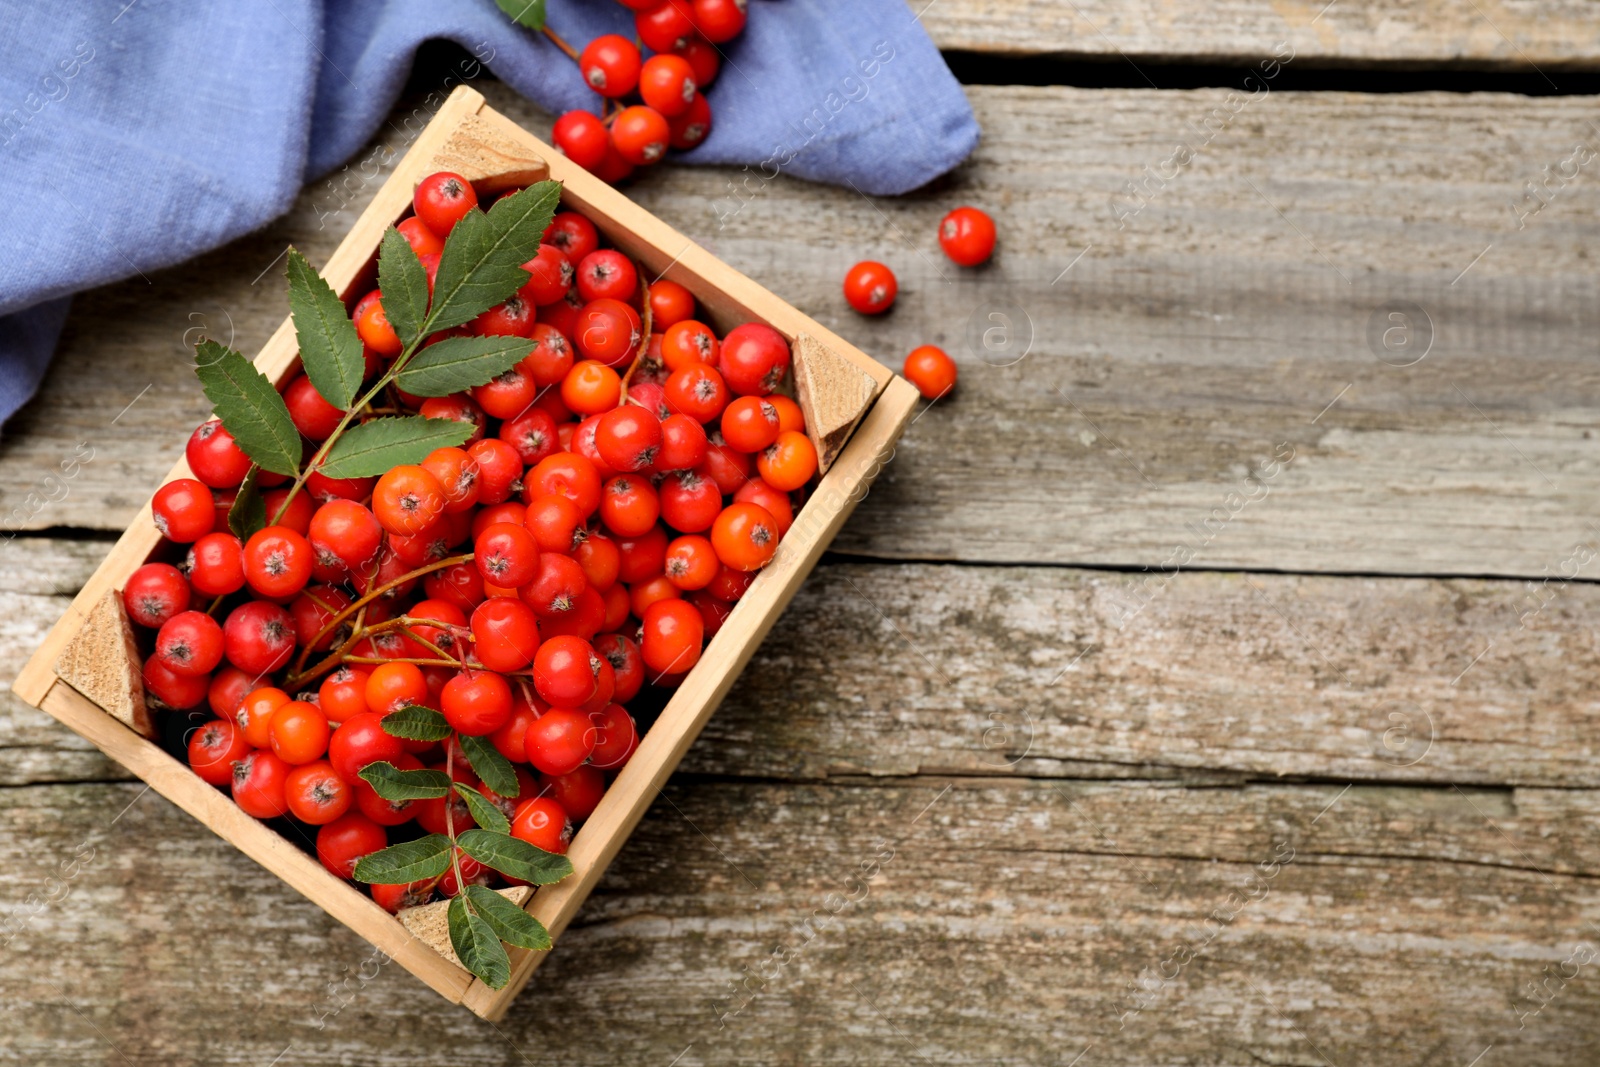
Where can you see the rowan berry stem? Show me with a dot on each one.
(429, 645)
(302, 675)
(572, 53)
(644, 337)
(449, 817)
(380, 660)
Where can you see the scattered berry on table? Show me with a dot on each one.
(870, 287)
(967, 236)
(931, 370)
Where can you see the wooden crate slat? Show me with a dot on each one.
(1548, 35)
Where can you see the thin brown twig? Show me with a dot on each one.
(555, 38)
(301, 674)
(644, 337)
(380, 660)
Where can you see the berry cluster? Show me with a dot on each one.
(967, 236)
(672, 110)
(454, 642)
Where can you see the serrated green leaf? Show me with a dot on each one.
(249, 512)
(249, 407)
(404, 283)
(459, 363)
(416, 723)
(513, 856)
(409, 861)
(476, 945)
(481, 264)
(529, 13)
(484, 813)
(490, 765)
(510, 923)
(379, 445)
(330, 349)
(397, 786)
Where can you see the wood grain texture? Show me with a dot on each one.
(1167, 364)
(104, 664)
(992, 922)
(1549, 35)
(896, 670)
(38, 579)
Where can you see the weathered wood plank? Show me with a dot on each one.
(38, 578)
(1175, 358)
(884, 669)
(1549, 35)
(1224, 327)
(943, 669)
(990, 923)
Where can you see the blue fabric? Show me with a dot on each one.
(136, 135)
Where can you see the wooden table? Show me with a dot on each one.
(1202, 683)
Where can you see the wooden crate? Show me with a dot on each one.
(472, 139)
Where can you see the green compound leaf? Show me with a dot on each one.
(476, 945)
(529, 13)
(376, 447)
(515, 857)
(409, 861)
(509, 922)
(416, 723)
(481, 264)
(490, 765)
(249, 512)
(404, 284)
(397, 786)
(330, 349)
(484, 813)
(249, 407)
(456, 364)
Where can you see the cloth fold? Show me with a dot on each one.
(138, 135)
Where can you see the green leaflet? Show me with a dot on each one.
(375, 447)
(393, 784)
(404, 284)
(330, 349)
(456, 364)
(529, 13)
(249, 407)
(481, 264)
(476, 945)
(416, 723)
(515, 857)
(510, 923)
(249, 512)
(490, 765)
(485, 814)
(409, 861)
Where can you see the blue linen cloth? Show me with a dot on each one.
(135, 135)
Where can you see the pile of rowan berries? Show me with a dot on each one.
(672, 110)
(620, 489)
